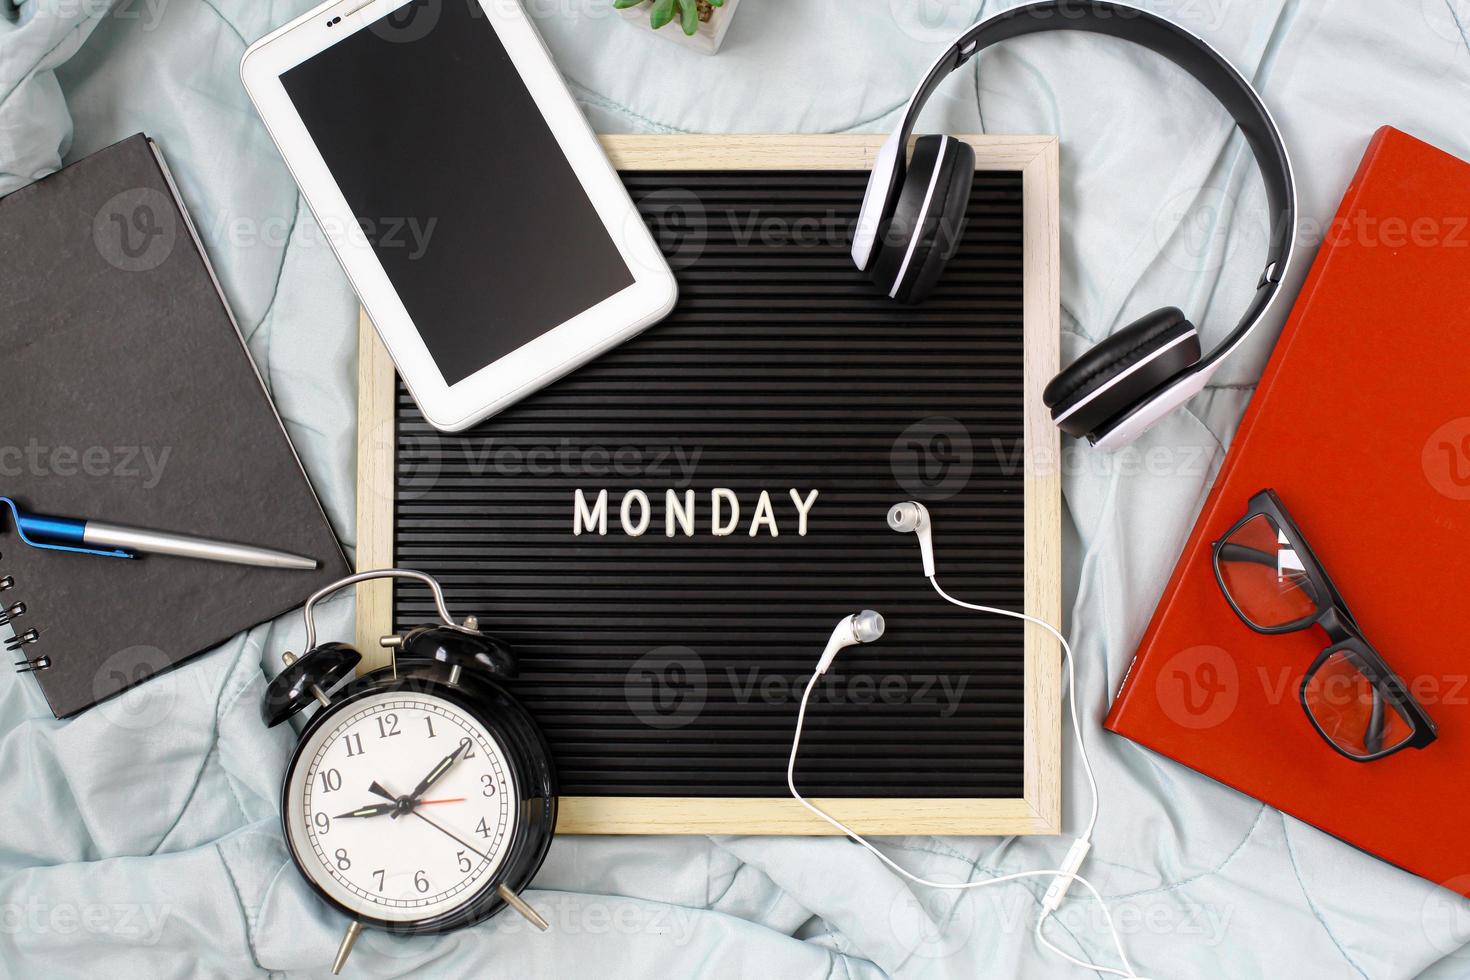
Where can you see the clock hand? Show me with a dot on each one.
(399, 805)
(435, 773)
(378, 809)
(450, 833)
(371, 810)
(509, 897)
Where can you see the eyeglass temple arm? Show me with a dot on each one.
(1373, 737)
(1229, 551)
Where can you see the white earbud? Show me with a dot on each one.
(914, 516)
(863, 627)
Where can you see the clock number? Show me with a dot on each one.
(465, 864)
(354, 744)
(387, 726)
(331, 780)
(488, 783)
(381, 876)
(420, 882)
(323, 823)
(342, 863)
(430, 722)
(469, 752)
(482, 830)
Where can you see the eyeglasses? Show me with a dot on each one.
(1275, 584)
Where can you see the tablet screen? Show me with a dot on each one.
(477, 218)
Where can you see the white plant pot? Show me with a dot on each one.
(706, 40)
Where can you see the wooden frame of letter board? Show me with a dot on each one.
(1038, 811)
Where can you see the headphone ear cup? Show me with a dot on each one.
(930, 211)
(940, 238)
(1122, 371)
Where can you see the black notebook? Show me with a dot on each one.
(129, 397)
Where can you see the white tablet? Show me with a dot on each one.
(490, 240)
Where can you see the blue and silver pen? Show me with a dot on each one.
(115, 541)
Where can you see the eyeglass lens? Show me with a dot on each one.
(1351, 710)
(1264, 576)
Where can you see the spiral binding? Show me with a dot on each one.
(22, 638)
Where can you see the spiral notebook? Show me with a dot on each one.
(129, 397)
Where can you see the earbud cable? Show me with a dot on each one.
(1057, 874)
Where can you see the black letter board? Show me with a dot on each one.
(666, 670)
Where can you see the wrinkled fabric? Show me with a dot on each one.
(141, 838)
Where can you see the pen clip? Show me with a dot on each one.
(22, 519)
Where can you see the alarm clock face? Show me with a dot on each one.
(360, 836)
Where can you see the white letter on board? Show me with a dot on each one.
(684, 513)
(641, 499)
(596, 517)
(803, 509)
(717, 495)
(764, 514)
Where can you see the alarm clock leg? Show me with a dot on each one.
(353, 929)
(516, 902)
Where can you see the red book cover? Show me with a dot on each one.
(1361, 423)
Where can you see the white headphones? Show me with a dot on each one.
(913, 214)
(866, 627)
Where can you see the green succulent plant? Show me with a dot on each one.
(664, 11)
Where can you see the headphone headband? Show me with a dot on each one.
(1142, 27)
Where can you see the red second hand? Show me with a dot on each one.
(457, 799)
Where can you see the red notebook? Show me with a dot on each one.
(1361, 423)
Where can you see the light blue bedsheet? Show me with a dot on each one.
(140, 839)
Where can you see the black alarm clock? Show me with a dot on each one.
(421, 797)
